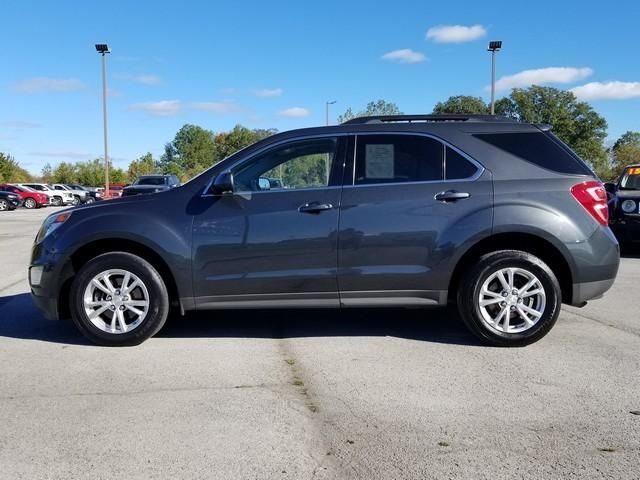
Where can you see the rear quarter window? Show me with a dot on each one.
(540, 148)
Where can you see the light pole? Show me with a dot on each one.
(326, 110)
(103, 49)
(494, 46)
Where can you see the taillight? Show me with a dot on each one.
(593, 197)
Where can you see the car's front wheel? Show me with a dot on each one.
(509, 298)
(89, 200)
(4, 205)
(119, 299)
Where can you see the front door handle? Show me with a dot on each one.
(451, 196)
(314, 207)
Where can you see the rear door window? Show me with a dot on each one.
(457, 166)
(397, 159)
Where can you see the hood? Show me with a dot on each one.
(112, 203)
(146, 188)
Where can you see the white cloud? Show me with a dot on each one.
(404, 55)
(268, 92)
(607, 90)
(46, 84)
(455, 33)
(163, 108)
(143, 78)
(542, 76)
(19, 124)
(294, 112)
(147, 79)
(114, 93)
(226, 106)
(69, 155)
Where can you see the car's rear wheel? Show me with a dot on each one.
(119, 299)
(4, 205)
(30, 203)
(76, 200)
(57, 201)
(89, 200)
(509, 298)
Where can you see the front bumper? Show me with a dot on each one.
(627, 231)
(47, 283)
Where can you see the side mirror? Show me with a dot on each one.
(610, 187)
(223, 183)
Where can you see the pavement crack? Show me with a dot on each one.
(586, 317)
(137, 392)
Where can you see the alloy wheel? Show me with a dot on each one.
(512, 300)
(116, 301)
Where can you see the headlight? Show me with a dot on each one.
(628, 206)
(51, 224)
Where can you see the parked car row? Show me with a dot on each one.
(37, 195)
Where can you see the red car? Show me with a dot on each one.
(30, 198)
(115, 190)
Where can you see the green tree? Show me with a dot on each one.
(47, 173)
(227, 143)
(11, 171)
(626, 151)
(380, 107)
(576, 123)
(464, 104)
(117, 175)
(64, 173)
(90, 172)
(192, 150)
(144, 165)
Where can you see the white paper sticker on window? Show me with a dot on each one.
(379, 161)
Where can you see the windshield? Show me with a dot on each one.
(39, 187)
(76, 187)
(150, 181)
(631, 179)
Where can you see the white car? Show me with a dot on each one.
(80, 196)
(56, 197)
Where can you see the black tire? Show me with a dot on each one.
(76, 200)
(471, 285)
(90, 200)
(30, 203)
(4, 205)
(158, 299)
(56, 201)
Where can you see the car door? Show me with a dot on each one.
(411, 202)
(273, 240)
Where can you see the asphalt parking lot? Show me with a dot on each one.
(300, 394)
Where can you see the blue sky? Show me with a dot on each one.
(274, 64)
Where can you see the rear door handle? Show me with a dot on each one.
(314, 207)
(451, 196)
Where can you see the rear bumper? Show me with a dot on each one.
(582, 292)
(595, 266)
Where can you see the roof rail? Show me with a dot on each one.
(427, 118)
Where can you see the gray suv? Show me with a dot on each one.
(498, 217)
